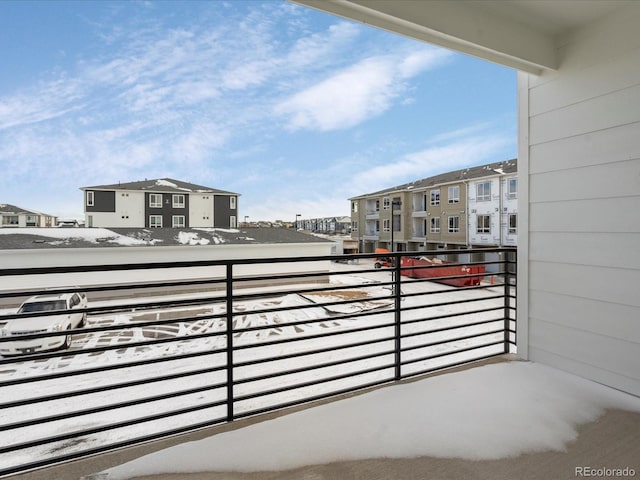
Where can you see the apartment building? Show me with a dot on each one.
(13, 216)
(160, 203)
(474, 206)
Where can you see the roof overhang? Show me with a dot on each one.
(521, 34)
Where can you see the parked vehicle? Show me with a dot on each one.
(382, 260)
(69, 318)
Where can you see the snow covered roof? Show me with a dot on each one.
(160, 185)
(490, 169)
(8, 208)
(37, 238)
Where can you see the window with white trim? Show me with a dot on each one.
(483, 223)
(454, 224)
(385, 225)
(513, 223)
(233, 222)
(90, 199)
(155, 221)
(232, 203)
(386, 203)
(483, 192)
(155, 200)
(177, 201)
(435, 197)
(454, 194)
(435, 225)
(512, 188)
(177, 221)
(354, 207)
(354, 226)
(377, 205)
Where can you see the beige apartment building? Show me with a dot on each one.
(433, 213)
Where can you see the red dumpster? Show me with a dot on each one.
(442, 268)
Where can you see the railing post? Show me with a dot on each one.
(397, 297)
(229, 330)
(507, 291)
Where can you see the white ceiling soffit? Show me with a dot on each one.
(498, 31)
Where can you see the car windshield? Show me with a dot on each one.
(46, 306)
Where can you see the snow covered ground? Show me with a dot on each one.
(312, 320)
(489, 412)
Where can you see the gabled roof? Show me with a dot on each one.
(490, 169)
(8, 208)
(160, 185)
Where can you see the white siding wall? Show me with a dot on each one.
(486, 207)
(130, 205)
(583, 247)
(200, 210)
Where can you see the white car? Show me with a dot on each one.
(68, 319)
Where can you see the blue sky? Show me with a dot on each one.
(294, 109)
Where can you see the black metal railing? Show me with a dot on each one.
(225, 340)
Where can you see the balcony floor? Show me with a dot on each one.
(610, 441)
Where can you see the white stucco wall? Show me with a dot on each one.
(579, 159)
(144, 255)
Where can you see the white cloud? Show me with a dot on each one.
(357, 93)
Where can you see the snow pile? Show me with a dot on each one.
(488, 412)
(191, 238)
(167, 183)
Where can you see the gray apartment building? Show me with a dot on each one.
(471, 207)
(160, 203)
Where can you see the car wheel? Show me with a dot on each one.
(377, 265)
(67, 342)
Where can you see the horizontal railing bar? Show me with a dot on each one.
(312, 398)
(447, 366)
(312, 352)
(450, 340)
(105, 388)
(444, 354)
(310, 383)
(105, 428)
(451, 315)
(334, 363)
(455, 327)
(114, 406)
(310, 337)
(53, 376)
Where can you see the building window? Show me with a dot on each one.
(354, 207)
(233, 222)
(454, 224)
(513, 223)
(177, 221)
(155, 200)
(386, 203)
(483, 192)
(10, 220)
(90, 199)
(483, 223)
(435, 197)
(32, 221)
(232, 203)
(435, 225)
(177, 201)
(155, 221)
(512, 188)
(377, 205)
(385, 225)
(454, 194)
